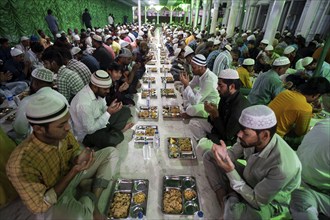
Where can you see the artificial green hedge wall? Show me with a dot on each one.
(25, 17)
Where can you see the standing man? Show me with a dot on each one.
(48, 167)
(86, 19)
(52, 23)
(262, 188)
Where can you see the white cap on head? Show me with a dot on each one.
(210, 39)
(141, 33)
(248, 31)
(244, 34)
(107, 37)
(124, 52)
(258, 117)
(306, 61)
(199, 36)
(281, 61)
(216, 42)
(248, 62)
(58, 35)
(180, 32)
(24, 38)
(124, 44)
(256, 32)
(269, 48)
(288, 50)
(265, 41)
(199, 60)
(97, 38)
(75, 50)
(228, 74)
(101, 79)
(188, 51)
(15, 52)
(76, 37)
(222, 31)
(228, 47)
(251, 37)
(43, 74)
(43, 109)
(139, 38)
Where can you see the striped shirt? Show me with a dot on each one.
(81, 69)
(222, 62)
(69, 82)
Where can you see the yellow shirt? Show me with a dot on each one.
(188, 39)
(292, 112)
(244, 76)
(35, 167)
(116, 47)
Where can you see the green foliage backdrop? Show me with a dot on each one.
(25, 17)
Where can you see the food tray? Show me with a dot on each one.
(148, 92)
(145, 79)
(153, 69)
(129, 197)
(5, 111)
(144, 133)
(167, 93)
(181, 148)
(169, 79)
(164, 61)
(171, 111)
(180, 195)
(152, 62)
(148, 112)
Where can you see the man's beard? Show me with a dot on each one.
(245, 145)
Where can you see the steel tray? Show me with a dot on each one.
(171, 111)
(169, 79)
(144, 133)
(5, 111)
(145, 79)
(177, 148)
(148, 112)
(168, 93)
(148, 92)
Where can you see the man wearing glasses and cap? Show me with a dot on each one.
(262, 188)
(48, 168)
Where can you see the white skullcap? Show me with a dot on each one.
(24, 38)
(43, 109)
(99, 30)
(288, 34)
(228, 74)
(15, 52)
(58, 35)
(196, 32)
(258, 117)
(180, 32)
(264, 41)
(75, 50)
(62, 32)
(222, 31)
(139, 38)
(43, 74)
(199, 59)
(177, 52)
(210, 39)
(188, 51)
(244, 34)
(288, 50)
(228, 47)
(88, 29)
(199, 36)
(101, 79)
(131, 37)
(76, 37)
(97, 38)
(269, 48)
(248, 31)
(124, 44)
(281, 61)
(107, 37)
(256, 32)
(306, 61)
(248, 62)
(141, 33)
(251, 37)
(216, 42)
(124, 52)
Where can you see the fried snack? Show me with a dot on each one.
(143, 114)
(172, 201)
(185, 144)
(120, 205)
(150, 131)
(175, 109)
(139, 197)
(172, 141)
(174, 151)
(154, 114)
(189, 194)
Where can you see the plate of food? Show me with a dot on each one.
(148, 92)
(171, 111)
(144, 133)
(168, 93)
(180, 148)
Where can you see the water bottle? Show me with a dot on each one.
(10, 99)
(146, 151)
(199, 215)
(149, 83)
(156, 141)
(164, 83)
(141, 216)
(148, 100)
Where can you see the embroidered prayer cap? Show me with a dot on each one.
(228, 47)
(43, 109)
(43, 74)
(258, 117)
(248, 62)
(124, 52)
(75, 50)
(265, 41)
(306, 61)
(228, 74)
(199, 59)
(24, 38)
(281, 61)
(269, 48)
(288, 50)
(187, 51)
(97, 38)
(15, 52)
(101, 79)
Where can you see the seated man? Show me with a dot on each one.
(261, 189)
(94, 123)
(312, 199)
(222, 123)
(47, 168)
(293, 109)
(206, 81)
(268, 84)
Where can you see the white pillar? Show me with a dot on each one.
(226, 16)
(258, 15)
(274, 19)
(171, 13)
(157, 17)
(214, 16)
(232, 17)
(252, 16)
(208, 15)
(268, 14)
(196, 13)
(145, 14)
(133, 10)
(204, 14)
(139, 14)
